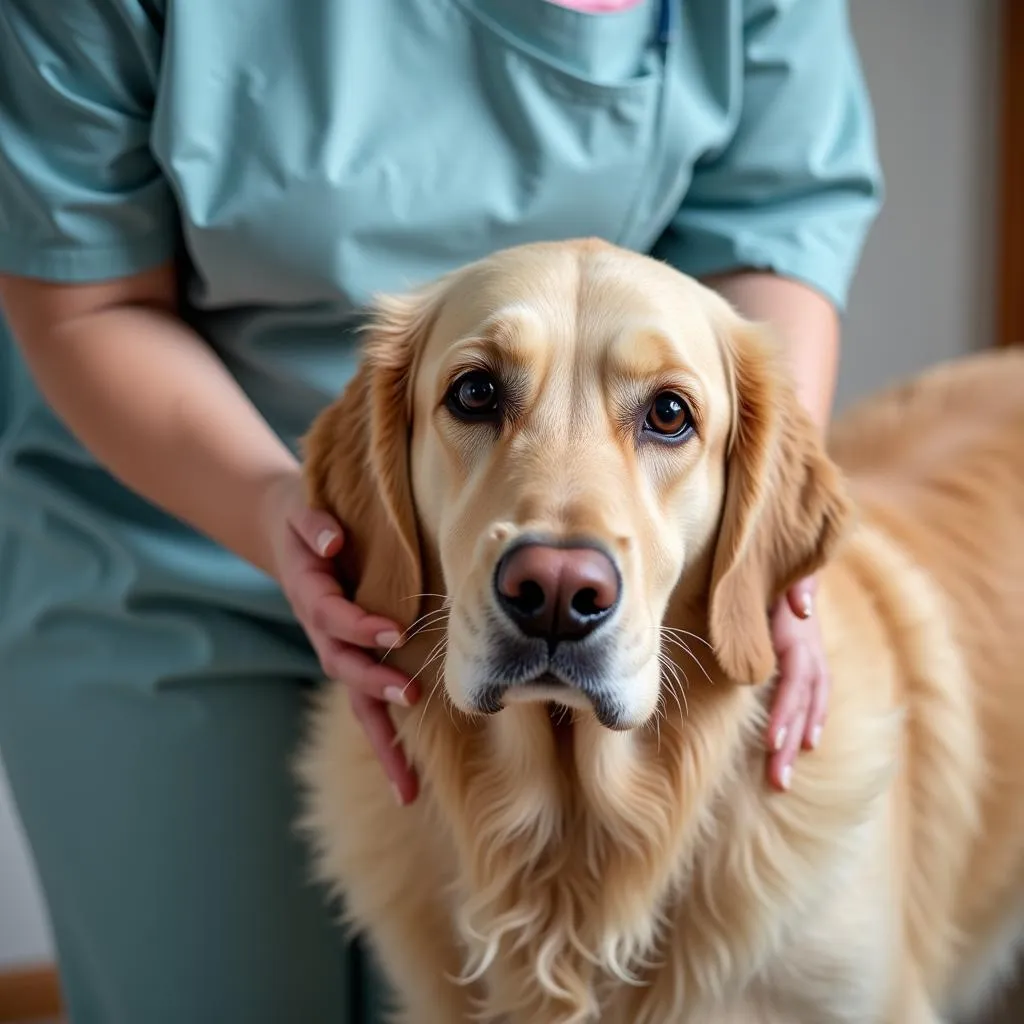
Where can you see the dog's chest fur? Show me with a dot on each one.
(612, 923)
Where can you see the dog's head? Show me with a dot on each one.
(567, 438)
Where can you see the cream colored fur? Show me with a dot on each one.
(650, 876)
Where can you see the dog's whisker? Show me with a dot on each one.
(683, 704)
(433, 618)
(417, 627)
(416, 597)
(432, 629)
(676, 686)
(426, 705)
(438, 684)
(659, 712)
(676, 642)
(446, 607)
(438, 659)
(432, 615)
(686, 632)
(450, 708)
(437, 652)
(449, 704)
(698, 663)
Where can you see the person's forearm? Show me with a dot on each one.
(806, 324)
(156, 407)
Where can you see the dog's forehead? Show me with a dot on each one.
(649, 317)
(565, 303)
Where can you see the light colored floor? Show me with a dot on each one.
(1008, 1014)
(1010, 1010)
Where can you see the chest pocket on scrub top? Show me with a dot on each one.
(574, 97)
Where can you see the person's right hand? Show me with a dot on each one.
(304, 542)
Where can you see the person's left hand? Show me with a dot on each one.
(801, 695)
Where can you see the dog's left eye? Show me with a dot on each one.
(669, 416)
(474, 396)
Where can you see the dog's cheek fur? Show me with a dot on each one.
(357, 462)
(785, 509)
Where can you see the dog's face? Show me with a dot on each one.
(568, 435)
(570, 417)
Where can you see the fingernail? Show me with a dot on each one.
(815, 737)
(389, 638)
(806, 606)
(396, 695)
(324, 540)
(786, 777)
(399, 799)
(780, 739)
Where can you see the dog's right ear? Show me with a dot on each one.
(357, 461)
(785, 508)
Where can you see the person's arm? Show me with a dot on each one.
(151, 401)
(806, 324)
(88, 236)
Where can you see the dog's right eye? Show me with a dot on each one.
(474, 396)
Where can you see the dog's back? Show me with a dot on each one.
(938, 465)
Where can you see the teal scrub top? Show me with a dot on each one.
(298, 156)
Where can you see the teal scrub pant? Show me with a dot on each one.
(162, 819)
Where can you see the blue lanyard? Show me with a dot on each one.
(665, 20)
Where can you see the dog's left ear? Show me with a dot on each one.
(357, 462)
(785, 506)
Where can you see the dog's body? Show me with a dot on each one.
(648, 875)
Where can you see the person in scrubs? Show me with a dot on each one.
(197, 201)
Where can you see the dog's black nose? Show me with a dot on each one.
(557, 593)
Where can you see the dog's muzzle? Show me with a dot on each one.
(550, 636)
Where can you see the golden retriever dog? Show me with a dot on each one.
(579, 478)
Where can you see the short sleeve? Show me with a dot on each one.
(81, 195)
(798, 185)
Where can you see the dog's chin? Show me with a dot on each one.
(548, 690)
(565, 703)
